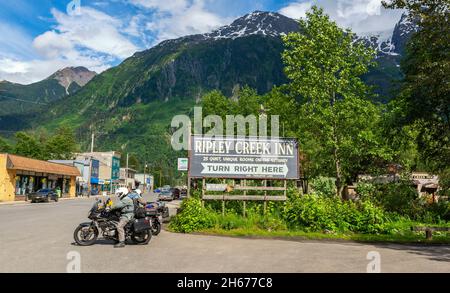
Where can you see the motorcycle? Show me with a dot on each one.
(155, 211)
(105, 221)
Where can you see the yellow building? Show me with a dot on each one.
(20, 176)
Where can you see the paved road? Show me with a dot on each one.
(38, 237)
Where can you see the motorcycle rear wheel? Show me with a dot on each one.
(142, 238)
(85, 238)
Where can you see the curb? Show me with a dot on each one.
(20, 202)
(12, 203)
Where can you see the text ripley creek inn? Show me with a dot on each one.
(244, 147)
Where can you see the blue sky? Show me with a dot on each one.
(38, 37)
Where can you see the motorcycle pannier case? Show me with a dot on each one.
(151, 212)
(139, 213)
(140, 225)
(165, 212)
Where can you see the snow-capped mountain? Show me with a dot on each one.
(256, 23)
(391, 42)
(272, 24)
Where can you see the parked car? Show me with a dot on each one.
(166, 195)
(43, 195)
(183, 193)
(157, 190)
(166, 188)
(176, 193)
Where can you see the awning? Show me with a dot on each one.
(26, 164)
(431, 186)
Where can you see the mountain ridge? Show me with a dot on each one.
(16, 98)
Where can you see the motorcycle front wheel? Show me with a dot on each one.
(85, 235)
(156, 228)
(142, 238)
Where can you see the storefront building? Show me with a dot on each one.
(82, 186)
(106, 179)
(20, 176)
(127, 178)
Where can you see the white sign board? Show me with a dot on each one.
(216, 187)
(183, 164)
(244, 157)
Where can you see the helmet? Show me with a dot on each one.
(121, 192)
(138, 191)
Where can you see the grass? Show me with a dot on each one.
(404, 238)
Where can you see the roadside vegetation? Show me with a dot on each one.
(321, 216)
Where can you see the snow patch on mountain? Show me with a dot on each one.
(256, 23)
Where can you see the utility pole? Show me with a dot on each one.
(126, 172)
(92, 142)
(145, 169)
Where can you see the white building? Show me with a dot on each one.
(146, 181)
(127, 177)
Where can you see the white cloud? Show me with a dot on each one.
(362, 16)
(164, 5)
(92, 39)
(296, 10)
(26, 72)
(91, 29)
(358, 8)
(172, 19)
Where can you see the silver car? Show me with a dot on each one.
(165, 195)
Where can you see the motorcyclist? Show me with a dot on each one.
(137, 195)
(126, 207)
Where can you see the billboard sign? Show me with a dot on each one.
(115, 168)
(95, 171)
(244, 157)
(183, 164)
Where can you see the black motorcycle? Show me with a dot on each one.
(156, 211)
(105, 221)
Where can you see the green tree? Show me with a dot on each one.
(28, 146)
(133, 162)
(60, 146)
(424, 98)
(338, 123)
(215, 103)
(4, 146)
(246, 101)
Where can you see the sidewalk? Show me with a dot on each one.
(19, 202)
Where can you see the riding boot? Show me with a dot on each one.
(120, 245)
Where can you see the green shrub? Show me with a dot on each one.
(323, 186)
(369, 219)
(231, 221)
(319, 213)
(366, 190)
(271, 223)
(193, 217)
(398, 197)
(437, 212)
(402, 199)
